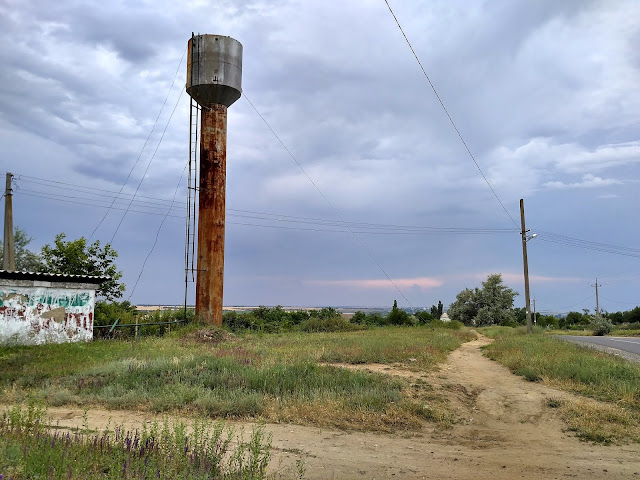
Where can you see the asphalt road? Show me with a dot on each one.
(626, 344)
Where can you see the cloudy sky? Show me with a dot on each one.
(544, 93)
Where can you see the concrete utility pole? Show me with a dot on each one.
(8, 257)
(526, 267)
(597, 302)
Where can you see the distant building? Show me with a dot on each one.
(444, 317)
(38, 308)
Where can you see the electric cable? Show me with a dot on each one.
(616, 301)
(157, 235)
(81, 201)
(577, 241)
(329, 203)
(612, 250)
(449, 116)
(148, 165)
(143, 147)
(561, 309)
(285, 217)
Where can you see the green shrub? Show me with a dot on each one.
(453, 324)
(601, 326)
(331, 324)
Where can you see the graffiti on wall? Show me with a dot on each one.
(38, 315)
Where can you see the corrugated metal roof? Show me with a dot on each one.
(60, 277)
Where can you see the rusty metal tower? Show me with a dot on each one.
(214, 78)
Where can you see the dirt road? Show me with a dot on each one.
(507, 432)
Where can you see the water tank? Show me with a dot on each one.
(214, 69)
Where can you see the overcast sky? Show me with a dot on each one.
(545, 93)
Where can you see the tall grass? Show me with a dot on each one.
(579, 370)
(570, 366)
(276, 377)
(29, 449)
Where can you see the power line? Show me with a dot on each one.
(329, 203)
(622, 303)
(449, 116)
(157, 235)
(47, 182)
(279, 216)
(148, 165)
(363, 229)
(251, 214)
(143, 147)
(560, 309)
(578, 241)
(612, 249)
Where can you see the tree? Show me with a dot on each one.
(465, 308)
(77, 258)
(440, 308)
(425, 317)
(489, 305)
(25, 258)
(398, 316)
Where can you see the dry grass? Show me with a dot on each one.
(613, 382)
(600, 422)
(272, 377)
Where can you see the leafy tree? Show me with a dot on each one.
(489, 305)
(398, 316)
(434, 310)
(465, 308)
(25, 258)
(440, 308)
(548, 321)
(425, 317)
(576, 318)
(108, 312)
(77, 258)
(359, 318)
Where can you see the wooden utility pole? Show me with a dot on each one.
(526, 267)
(8, 257)
(597, 302)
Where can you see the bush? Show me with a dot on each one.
(425, 317)
(601, 326)
(630, 326)
(332, 324)
(453, 324)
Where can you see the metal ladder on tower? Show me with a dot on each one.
(192, 199)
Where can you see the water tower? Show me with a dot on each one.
(214, 78)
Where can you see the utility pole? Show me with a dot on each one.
(597, 302)
(8, 257)
(526, 267)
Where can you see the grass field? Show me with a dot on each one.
(279, 377)
(583, 371)
(30, 449)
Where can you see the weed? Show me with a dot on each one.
(266, 376)
(167, 451)
(579, 370)
(554, 402)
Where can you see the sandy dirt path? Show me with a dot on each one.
(506, 432)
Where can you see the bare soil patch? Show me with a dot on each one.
(504, 430)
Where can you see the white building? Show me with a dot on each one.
(38, 308)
